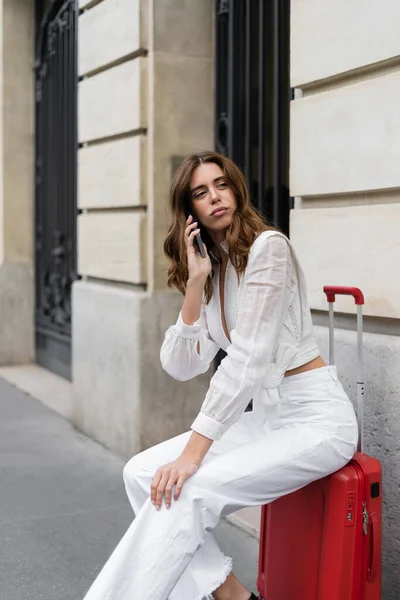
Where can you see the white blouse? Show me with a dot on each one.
(269, 321)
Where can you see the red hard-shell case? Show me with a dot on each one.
(313, 545)
(324, 542)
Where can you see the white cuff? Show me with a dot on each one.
(188, 332)
(210, 428)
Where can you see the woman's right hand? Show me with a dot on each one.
(199, 267)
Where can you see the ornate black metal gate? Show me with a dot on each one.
(56, 172)
(252, 98)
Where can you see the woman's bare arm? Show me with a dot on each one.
(197, 447)
(192, 303)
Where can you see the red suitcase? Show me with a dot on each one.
(324, 541)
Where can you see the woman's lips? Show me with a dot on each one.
(219, 212)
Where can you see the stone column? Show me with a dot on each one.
(144, 101)
(16, 182)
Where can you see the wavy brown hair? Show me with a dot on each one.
(247, 223)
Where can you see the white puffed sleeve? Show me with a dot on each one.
(179, 353)
(267, 296)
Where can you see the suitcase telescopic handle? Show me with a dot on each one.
(331, 292)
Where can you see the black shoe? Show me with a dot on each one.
(253, 597)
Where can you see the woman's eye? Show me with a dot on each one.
(200, 194)
(222, 184)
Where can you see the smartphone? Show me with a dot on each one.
(200, 243)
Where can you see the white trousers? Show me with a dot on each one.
(172, 554)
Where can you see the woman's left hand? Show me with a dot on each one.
(172, 474)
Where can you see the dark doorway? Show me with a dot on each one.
(56, 180)
(252, 98)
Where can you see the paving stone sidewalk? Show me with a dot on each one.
(63, 506)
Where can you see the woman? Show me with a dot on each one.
(247, 296)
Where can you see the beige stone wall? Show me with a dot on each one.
(16, 181)
(357, 245)
(112, 125)
(345, 148)
(145, 100)
(345, 176)
(182, 103)
(338, 39)
(110, 174)
(97, 27)
(146, 97)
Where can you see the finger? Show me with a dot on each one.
(154, 485)
(190, 222)
(179, 486)
(190, 239)
(189, 229)
(160, 490)
(189, 219)
(169, 487)
(192, 236)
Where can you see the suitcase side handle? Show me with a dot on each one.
(376, 551)
(331, 292)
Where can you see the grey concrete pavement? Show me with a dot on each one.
(63, 506)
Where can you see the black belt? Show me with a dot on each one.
(249, 407)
